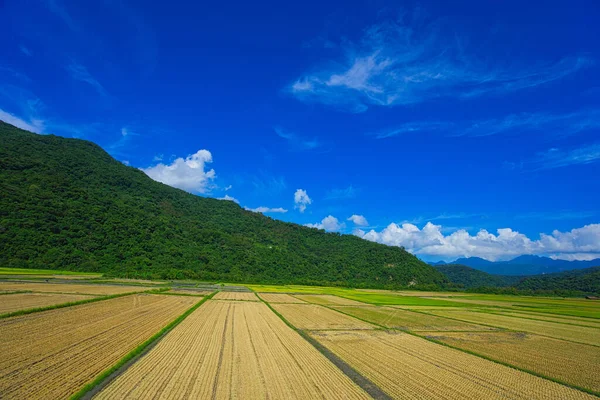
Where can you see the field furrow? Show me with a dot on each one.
(240, 296)
(580, 334)
(315, 317)
(54, 353)
(408, 367)
(229, 349)
(280, 298)
(25, 301)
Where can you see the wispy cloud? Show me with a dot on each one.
(557, 124)
(297, 142)
(25, 50)
(264, 210)
(35, 125)
(80, 73)
(349, 192)
(58, 9)
(400, 63)
(556, 158)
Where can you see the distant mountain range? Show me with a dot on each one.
(522, 265)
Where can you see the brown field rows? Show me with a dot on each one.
(312, 316)
(52, 354)
(408, 367)
(228, 350)
(573, 363)
(595, 323)
(580, 334)
(328, 300)
(100, 290)
(24, 301)
(190, 291)
(409, 320)
(279, 298)
(244, 296)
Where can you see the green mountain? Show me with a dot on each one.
(576, 282)
(67, 204)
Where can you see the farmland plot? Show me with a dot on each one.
(580, 334)
(243, 296)
(53, 354)
(24, 301)
(312, 316)
(99, 290)
(553, 318)
(408, 367)
(573, 363)
(328, 300)
(409, 320)
(228, 349)
(279, 298)
(190, 291)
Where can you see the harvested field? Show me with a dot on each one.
(553, 318)
(226, 350)
(493, 303)
(190, 291)
(55, 353)
(328, 300)
(100, 290)
(279, 298)
(405, 366)
(24, 301)
(409, 320)
(573, 363)
(240, 296)
(580, 334)
(312, 316)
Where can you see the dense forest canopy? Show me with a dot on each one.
(67, 204)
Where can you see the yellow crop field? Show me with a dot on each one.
(312, 316)
(328, 300)
(279, 298)
(243, 296)
(227, 350)
(553, 318)
(405, 366)
(408, 320)
(573, 363)
(76, 288)
(53, 354)
(190, 291)
(581, 334)
(24, 301)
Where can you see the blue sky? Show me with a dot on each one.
(453, 129)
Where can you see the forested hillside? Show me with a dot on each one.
(67, 204)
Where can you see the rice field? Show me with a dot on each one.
(239, 296)
(227, 350)
(52, 354)
(572, 363)
(409, 367)
(409, 320)
(74, 288)
(580, 334)
(553, 318)
(190, 291)
(279, 298)
(313, 317)
(24, 301)
(328, 300)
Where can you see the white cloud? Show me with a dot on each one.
(297, 142)
(188, 174)
(229, 198)
(35, 125)
(301, 200)
(329, 223)
(341, 193)
(80, 73)
(400, 63)
(228, 188)
(25, 50)
(267, 210)
(158, 157)
(556, 158)
(580, 243)
(358, 220)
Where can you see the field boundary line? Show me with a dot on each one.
(363, 382)
(106, 377)
(69, 304)
(504, 314)
(16, 292)
(473, 353)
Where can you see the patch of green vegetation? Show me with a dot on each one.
(31, 271)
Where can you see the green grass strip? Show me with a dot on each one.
(105, 377)
(15, 292)
(72, 303)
